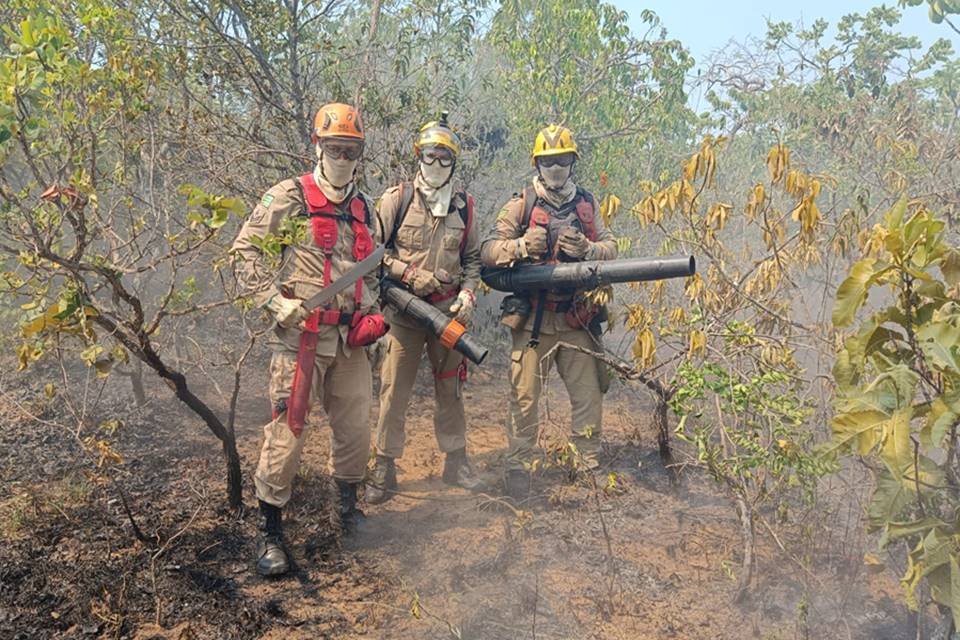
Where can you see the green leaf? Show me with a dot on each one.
(852, 292)
(949, 264)
(218, 219)
(897, 530)
(888, 501)
(940, 342)
(894, 217)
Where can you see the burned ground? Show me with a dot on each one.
(652, 555)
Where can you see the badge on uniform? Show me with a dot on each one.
(266, 200)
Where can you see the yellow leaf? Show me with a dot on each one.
(694, 286)
(698, 343)
(609, 207)
(645, 348)
(690, 168)
(49, 390)
(656, 291)
(718, 215)
(778, 160)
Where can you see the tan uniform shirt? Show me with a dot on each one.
(501, 249)
(429, 242)
(300, 272)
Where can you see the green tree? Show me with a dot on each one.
(100, 250)
(898, 393)
(578, 64)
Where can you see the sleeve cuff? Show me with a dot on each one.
(396, 269)
(262, 298)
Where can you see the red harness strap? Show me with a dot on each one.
(323, 222)
(460, 371)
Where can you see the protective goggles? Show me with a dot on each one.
(341, 148)
(563, 160)
(437, 154)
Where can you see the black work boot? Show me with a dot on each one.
(458, 472)
(350, 516)
(518, 485)
(382, 482)
(271, 558)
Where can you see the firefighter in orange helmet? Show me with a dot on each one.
(318, 357)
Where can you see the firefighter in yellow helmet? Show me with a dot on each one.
(433, 247)
(318, 357)
(552, 219)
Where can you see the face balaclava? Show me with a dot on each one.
(334, 176)
(436, 185)
(555, 184)
(555, 177)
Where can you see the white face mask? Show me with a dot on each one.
(556, 176)
(435, 175)
(337, 171)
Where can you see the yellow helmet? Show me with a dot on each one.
(438, 133)
(553, 140)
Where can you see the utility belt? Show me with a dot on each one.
(334, 317)
(557, 306)
(331, 316)
(579, 314)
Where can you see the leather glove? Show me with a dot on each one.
(574, 244)
(534, 242)
(463, 306)
(288, 312)
(423, 282)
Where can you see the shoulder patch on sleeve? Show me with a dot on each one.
(266, 200)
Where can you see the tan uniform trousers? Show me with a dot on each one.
(529, 369)
(344, 385)
(397, 375)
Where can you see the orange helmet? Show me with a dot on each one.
(337, 120)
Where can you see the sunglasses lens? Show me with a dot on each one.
(557, 161)
(433, 154)
(339, 150)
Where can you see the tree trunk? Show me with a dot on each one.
(136, 383)
(746, 567)
(663, 429)
(142, 348)
(234, 474)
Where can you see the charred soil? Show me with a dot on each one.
(649, 554)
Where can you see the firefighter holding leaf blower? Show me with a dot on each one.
(552, 220)
(433, 249)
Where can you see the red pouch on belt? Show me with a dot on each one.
(367, 330)
(579, 315)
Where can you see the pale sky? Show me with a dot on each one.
(707, 25)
